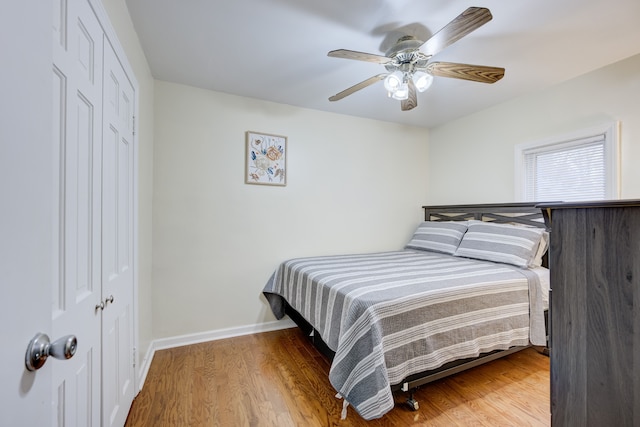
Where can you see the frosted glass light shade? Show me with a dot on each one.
(402, 92)
(393, 81)
(422, 81)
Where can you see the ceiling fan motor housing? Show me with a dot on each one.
(405, 43)
(407, 61)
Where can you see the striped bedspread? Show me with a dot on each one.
(393, 314)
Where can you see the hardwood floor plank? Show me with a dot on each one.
(279, 379)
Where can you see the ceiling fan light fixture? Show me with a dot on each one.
(401, 93)
(393, 82)
(422, 80)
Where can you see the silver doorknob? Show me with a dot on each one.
(40, 349)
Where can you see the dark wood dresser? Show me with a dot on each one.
(594, 261)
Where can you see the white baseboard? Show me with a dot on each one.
(144, 366)
(178, 341)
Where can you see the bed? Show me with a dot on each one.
(469, 287)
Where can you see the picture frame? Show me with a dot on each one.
(265, 159)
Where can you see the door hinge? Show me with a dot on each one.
(134, 125)
(134, 357)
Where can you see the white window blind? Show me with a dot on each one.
(576, 168)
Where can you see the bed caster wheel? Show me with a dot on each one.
(413, 404)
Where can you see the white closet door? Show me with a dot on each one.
(117, 241)
(77, 118)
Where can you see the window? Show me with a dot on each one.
(576, 167)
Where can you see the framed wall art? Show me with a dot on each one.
(266, 159)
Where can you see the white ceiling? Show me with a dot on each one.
(276, 50)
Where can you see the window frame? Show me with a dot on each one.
(611, 132)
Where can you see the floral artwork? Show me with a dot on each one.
(266, 159)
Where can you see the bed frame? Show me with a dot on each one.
(513, 213)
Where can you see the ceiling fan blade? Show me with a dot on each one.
(357, 87)
(412, 101)
(475, 73)
(360, 56)
(468, 21)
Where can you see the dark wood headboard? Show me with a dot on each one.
(514, 213)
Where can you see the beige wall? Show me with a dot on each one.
(354, 185)
(121, 21)
(472, 159)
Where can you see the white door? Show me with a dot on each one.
(117, 241)
(26, 204)
(77, 137)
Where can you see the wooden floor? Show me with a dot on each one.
(279, 379)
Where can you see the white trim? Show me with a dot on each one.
(200, 337)
(143, 369)
(611, 130)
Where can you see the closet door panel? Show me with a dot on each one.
(117, 219)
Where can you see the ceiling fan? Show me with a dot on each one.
(408, 61)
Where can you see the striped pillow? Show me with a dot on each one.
(504, 243)
(542, 249)
(438, 236)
